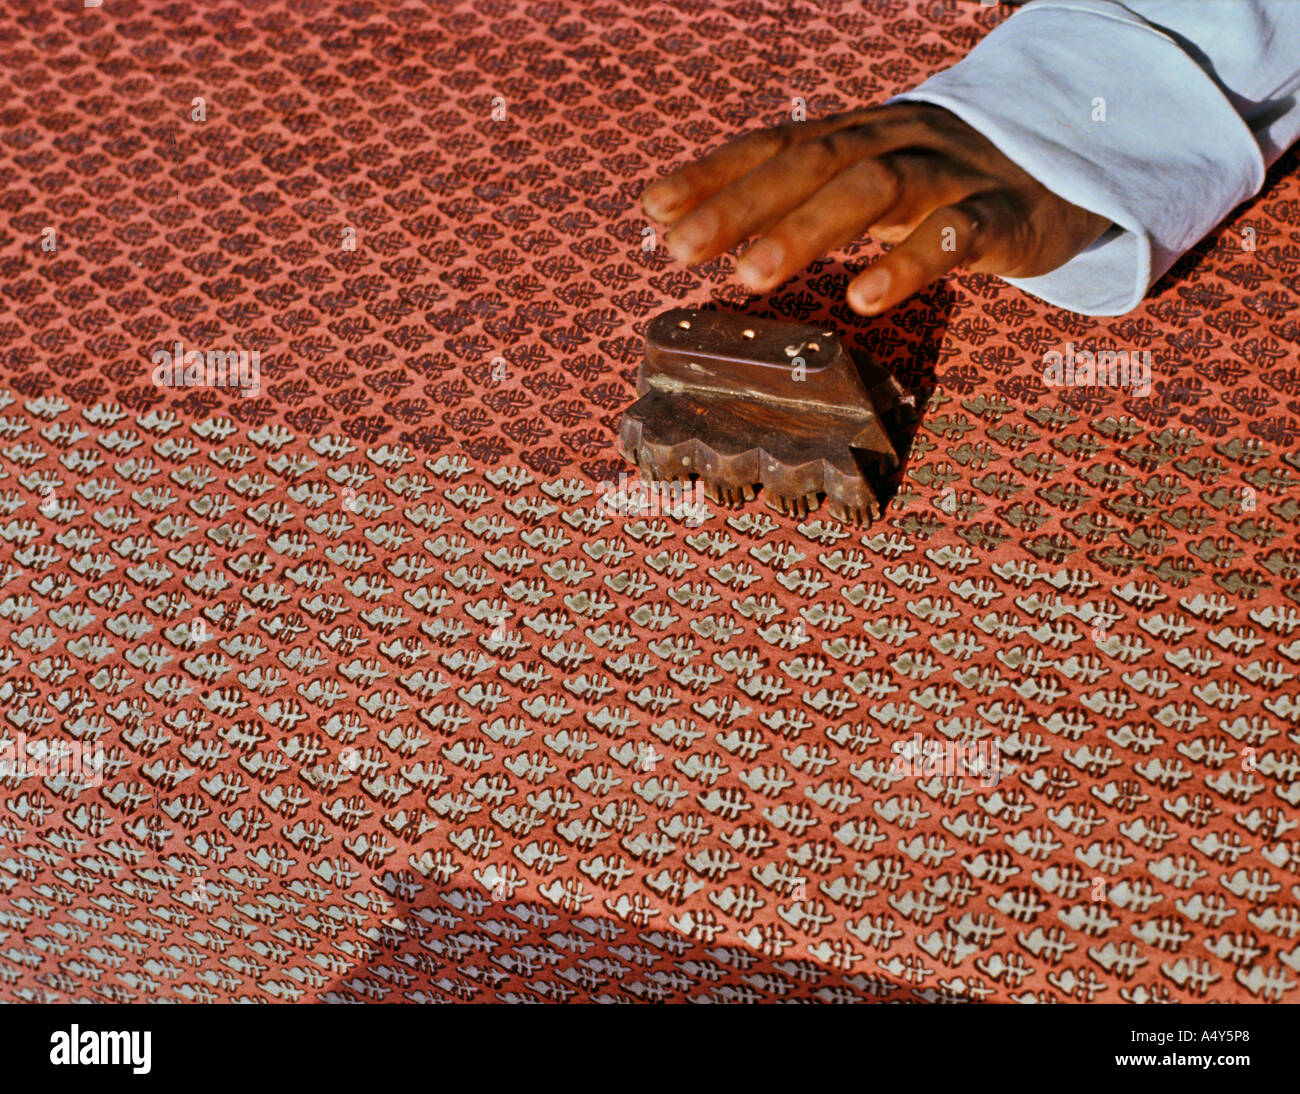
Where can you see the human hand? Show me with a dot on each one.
(912, 174)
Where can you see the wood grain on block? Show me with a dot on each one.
(742, 402)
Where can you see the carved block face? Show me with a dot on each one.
(744, 402)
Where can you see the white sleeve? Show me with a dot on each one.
(1198, 98)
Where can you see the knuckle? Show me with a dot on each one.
(771, 139)
(882, 178)
(784, 132)
(833, 147)
(887, 177)
(801, 224)
(922, 164)
(908, 268)
(968, 219)
(1001, 213)
(1005, 229)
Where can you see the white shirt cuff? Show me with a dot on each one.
(1170, 160)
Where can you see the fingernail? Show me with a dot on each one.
(692, 235)
(869, 289)
(664, 196)
(759, 264)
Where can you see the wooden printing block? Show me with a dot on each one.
(743, 402)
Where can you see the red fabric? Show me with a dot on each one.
(337, 769)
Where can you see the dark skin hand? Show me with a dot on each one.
(911, 174)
